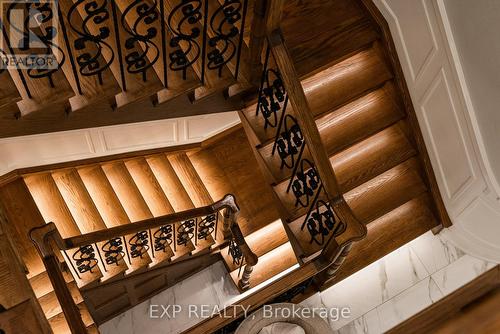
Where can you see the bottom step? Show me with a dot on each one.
(60, 326)
(407, 221)
(269, 265)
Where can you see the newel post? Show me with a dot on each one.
(42, 237)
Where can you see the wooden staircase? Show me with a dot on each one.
(343, 179)
(83, 198)
(357, 103)
(146, 59)
(99, 196)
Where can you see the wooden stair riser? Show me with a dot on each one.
(332, 88)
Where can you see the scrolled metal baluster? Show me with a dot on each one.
(271, 98)
(85, 259)
(139, 244)
(186, 232)
(91, 46)
(305, 183)
(183, 36)
(223, 46)
(235, 252)
(321, 222)
(143, 52)
(113, 251)
(290, 143)
(206, 226)
(163, 237)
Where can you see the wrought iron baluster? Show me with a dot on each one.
(113, 251)
(223, 46)
(272, 98)
(163, 237)
(142, 52)
(90, 46)
(186, 232)
(186, 32)
(290, 143)
(84, 259)
(139, 244)
(304, 183)
(321, 221)
(206, 226)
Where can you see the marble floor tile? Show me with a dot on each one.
(368, 323)
(399, 270)
(460, 272)
(408, 303)
(360, 292)
(435, 251)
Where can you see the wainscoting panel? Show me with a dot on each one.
(36, 150)
(431, 65)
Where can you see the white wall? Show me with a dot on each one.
(433, 71)
(475, 26)
(35, 150)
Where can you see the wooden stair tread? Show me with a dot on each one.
(407, 222)
(332, 87)
(340, 28)
(78, 200)
(270, 265)
(370, 200)
(174, 191)
(50, 303)
(23, 215)
(169, 182)
(109, 206)
(190, 179)
(345, 126)
(155, 199)
(260, 242)
(60, 326)
(387, 191)
(194, 186)
(149, 187)
(87, 217)
(51, 203)
(103, 196)
(359, 163)
(41, 284)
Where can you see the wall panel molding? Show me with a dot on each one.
(432, 68)
(48, 148)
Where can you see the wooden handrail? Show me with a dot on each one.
(355, 230)
(47, 237)
(228, 202)
(42, 237)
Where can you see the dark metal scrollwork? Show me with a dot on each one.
(113, 251)
(139, 244)
(223, 46)
(321, 222)
(163, 237)
(290, 143)
(85, 259)
(142, 52)
(206, 226)
(272, 96)
(184, 44)
(305, 183)
(91, 46)
(186, 232)
(235, 251)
